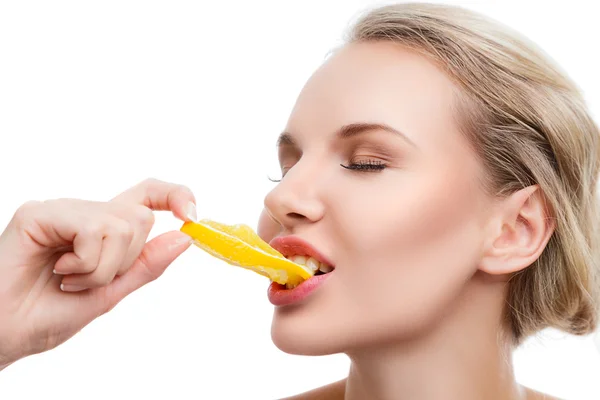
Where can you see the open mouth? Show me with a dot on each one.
(301, 252)
(317, 267)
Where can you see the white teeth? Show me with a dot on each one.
(299, 260)
(312, 264)
(325, 268)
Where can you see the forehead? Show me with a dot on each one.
(377, 82)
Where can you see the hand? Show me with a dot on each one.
(65, 262)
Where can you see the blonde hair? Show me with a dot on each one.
(528, 123)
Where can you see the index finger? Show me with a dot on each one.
(162, 196)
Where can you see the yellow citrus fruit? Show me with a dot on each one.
(239, 245)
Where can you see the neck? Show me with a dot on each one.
(463, 356)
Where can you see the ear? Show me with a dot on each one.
(519, 232)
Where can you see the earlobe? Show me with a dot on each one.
(520, 230)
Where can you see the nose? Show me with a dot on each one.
(296, 199)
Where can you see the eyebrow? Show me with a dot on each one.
(351, 130)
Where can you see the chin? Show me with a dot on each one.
(296, 334)
(300, 330)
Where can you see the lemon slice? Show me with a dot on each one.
(239, 245)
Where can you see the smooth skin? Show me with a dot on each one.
(422, 253)
(97, 251)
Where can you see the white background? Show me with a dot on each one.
(98, 95)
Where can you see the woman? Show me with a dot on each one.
(442, 167)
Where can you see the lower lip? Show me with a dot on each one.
(280, 296)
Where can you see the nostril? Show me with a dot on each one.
(294, 215)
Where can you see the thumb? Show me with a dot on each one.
(154, 259)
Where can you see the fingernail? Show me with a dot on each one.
(71, 288)
(55, 272)
(184, 239)
(180, 241)
(191, 213)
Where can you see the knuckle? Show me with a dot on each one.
(143, 216)
(181, 193)
(87, 263)
(64, 203)
(93, 228)
(122, 229)
(100, 278)
(150, 182)
(145, 264)
(185, 190)
(55, 201)
(27, 210)
(163, 185)
(105, 280)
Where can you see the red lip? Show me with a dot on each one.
(280, 296)
(294, 246)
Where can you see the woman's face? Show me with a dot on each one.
(403, 232)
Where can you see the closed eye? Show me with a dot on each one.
(368, 165)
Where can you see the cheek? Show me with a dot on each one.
(394, 221)
(410, 253)
(267, 227)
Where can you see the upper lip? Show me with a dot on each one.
(294, 246)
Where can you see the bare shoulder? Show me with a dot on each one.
(336, 391)
(333, 391)
(535, 395)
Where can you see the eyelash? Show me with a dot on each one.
(363, 166)
(366, 166)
